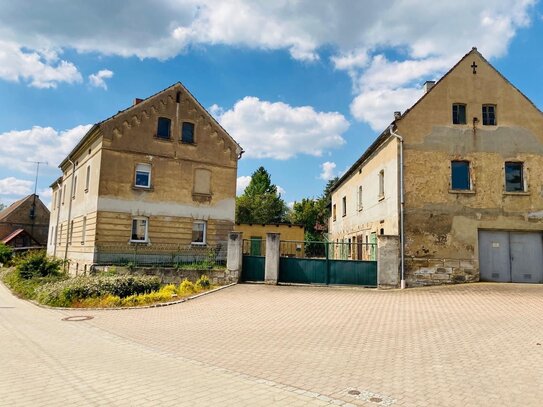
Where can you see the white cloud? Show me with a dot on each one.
(281, 190)
(14, 186)
(328, 170)
(20, 148)
(421, 37)
(279, 131)
(242, 183)
(41, 69)
(98, 79)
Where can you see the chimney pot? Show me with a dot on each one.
(137, 101)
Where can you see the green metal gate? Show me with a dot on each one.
(253, 262)
(337, 263)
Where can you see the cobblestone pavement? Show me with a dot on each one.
(469, 345)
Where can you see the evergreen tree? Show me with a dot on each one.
(260, 202)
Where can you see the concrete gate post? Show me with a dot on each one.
(271, 273)
(388, 261)
(234, 256)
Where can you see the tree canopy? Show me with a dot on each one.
(260, 202)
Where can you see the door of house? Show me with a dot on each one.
(511, 256)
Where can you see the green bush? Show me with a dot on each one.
(64, 293)
(203, 282)
(26, 288)
(6, 254)
(37, 264)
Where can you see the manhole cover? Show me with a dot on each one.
(354, 392)
(375, 399)
(76, 318)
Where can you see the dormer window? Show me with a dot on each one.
(459, 113)
(163, 128)
(489, 115)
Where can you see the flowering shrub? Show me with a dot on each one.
(37, 264)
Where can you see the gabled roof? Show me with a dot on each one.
(14, 206)
(16, 233)
(97, 126)
(384, 135)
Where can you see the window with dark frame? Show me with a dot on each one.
(459, 113)
(514, 177)
(344, 208)
(489, 115)
(187, 133)
(334, 212)
(460, 176)
(163, 128)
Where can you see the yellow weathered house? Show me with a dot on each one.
(471, 183)
(162, 172)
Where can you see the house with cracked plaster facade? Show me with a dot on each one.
(160, 172)
(457, 178)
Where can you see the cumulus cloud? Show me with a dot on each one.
(328, 170)
(242, 183)
(98, 79)
(280, 131)
(419, 37)
(20, 148)
(14, 186)
(40, 69)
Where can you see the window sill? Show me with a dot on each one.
(462, 191)
(169, 139)
(199, 197)
(186, 143)
(520, 193)
(142, 188)
(198, 244)
(142, 242)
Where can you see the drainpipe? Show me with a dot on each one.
(402, 240)
(58, 219)
(68, 228)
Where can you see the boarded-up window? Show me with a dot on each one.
(202, 181)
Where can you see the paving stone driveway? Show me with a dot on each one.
(469, 345)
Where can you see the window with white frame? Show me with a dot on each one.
(359, 198)
(139, 230)
(74, 187)
(84, 230)
(199, 229)
(382, 184)
(143, 176)
(87, 179)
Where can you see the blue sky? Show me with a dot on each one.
(303, 86)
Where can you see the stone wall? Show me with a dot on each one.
(422, 272)
(175, 276)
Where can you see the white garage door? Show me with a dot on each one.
(511, 256)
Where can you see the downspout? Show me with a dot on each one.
(55, 238)
(402, 240)
(68, 228)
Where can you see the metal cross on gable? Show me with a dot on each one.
(474, 66)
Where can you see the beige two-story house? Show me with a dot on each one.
(162, 172)
(458, 177)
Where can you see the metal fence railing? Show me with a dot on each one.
(328, 250)
(162, 255)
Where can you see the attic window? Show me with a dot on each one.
(459, 113)
(187, 133)
(163, 128)
(489, 115)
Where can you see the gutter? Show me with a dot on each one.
(402, 204)
(68, 227)
(55, 238)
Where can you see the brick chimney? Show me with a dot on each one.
(137, 101)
